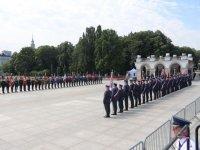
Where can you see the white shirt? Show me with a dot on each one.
(183, 142)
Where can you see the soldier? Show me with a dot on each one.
(114, 99)
(126, 94)
(150, 88)
(131, 93)
(138, 91)
(143, 91)
(134, 91)
(155, 89)
(24, 83)
(16, 83)
(36, 83)
(32, 83)
(163, 88)
(48, 83)
(12, 84)
(28, 83)
(3, 85)
(20, 83)
(120, 98)
(7, 84)
(106, 101)
(39, 81)
(146, 90)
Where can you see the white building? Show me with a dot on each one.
(168, 65)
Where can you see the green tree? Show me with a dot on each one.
(83, 55)
(46, 58)
(64, 57)
(24, 61)
(108, 52)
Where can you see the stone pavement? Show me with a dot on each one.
(72, 118)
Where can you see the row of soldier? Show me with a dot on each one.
(26, 83)
(141, 92)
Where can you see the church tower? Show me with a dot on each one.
(32, 43)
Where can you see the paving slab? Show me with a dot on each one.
(72, 118)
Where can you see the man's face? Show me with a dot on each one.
(176, 129)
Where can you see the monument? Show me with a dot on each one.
(168, 65)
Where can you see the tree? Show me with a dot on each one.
(64, 57)
(24, 61)
(83, 55)
(46, 58)
(108, 52)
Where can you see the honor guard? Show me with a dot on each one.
(114, 99)
(106, 101)
(126, 94)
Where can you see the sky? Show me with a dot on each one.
(52, 22)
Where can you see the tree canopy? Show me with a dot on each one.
(96, 51)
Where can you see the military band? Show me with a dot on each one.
(25, 83)
(144, 91)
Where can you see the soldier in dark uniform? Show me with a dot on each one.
(114, 99)
(120, 99)
(7, 85)
(48, 83)
(146, 90)
(28, 83)
(32, 83)
(189, 79)
(131, 93)
(106, 101)
(24, 83)
(36, 83)
(155, 88)
(20, 83)
(134, 91)
(3, 85)
(126, 94)
(12, 84)
(16, 84)
(143, 91)
(138, 91)
(150, 88)
(163, 88)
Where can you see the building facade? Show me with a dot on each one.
(4, 57)
(164, 65)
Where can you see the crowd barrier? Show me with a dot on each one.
(139, 146)
(162, 137)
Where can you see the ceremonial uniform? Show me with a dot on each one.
(106, 101)
(183, 142)
(126, 93)
(131, 94)
(120, 98)
(114, 99)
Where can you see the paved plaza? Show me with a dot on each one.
(72, 118)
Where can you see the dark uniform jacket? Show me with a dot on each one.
(107, 97)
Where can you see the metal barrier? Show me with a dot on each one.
(190, 111)
(181, 113)
(198, 105)
(139, 146)
(159, 138)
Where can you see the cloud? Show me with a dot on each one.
(52, 22)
